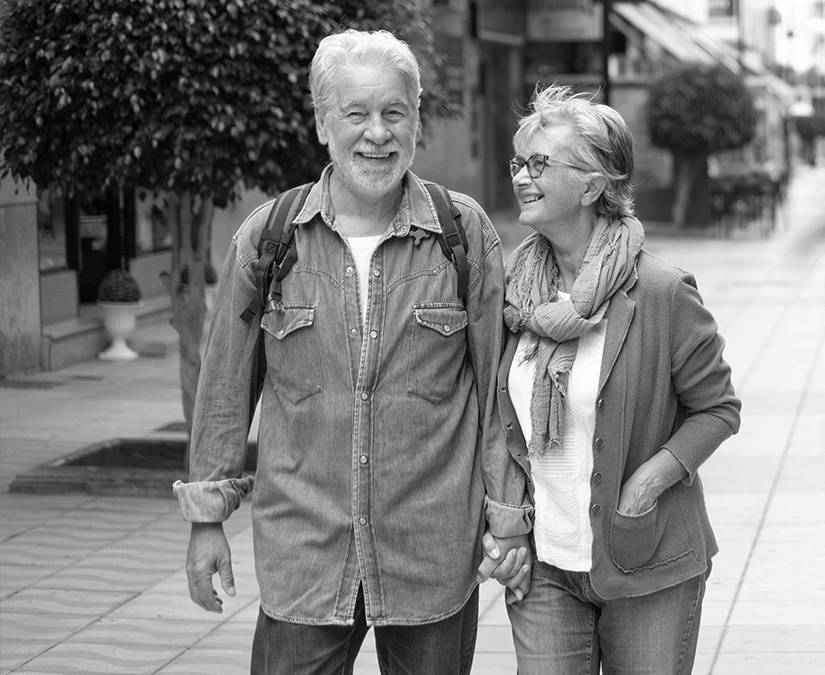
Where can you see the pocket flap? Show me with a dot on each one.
(444, 320)
(286, 319)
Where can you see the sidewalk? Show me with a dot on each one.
(96, 584)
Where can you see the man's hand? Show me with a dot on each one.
(508, 560)
(208, 553)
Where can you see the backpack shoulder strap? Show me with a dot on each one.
(453, 239)
(276, 254)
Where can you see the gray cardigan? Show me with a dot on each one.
(663, 383)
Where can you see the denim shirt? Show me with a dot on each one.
(380, 454)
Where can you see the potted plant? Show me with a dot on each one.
(119, 297)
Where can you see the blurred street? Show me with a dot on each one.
(94, 584)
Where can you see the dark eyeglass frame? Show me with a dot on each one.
(536, 164)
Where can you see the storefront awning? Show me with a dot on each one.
(659, 28)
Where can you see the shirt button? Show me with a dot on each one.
(353, 331)
(599, 443)
(373, 334)
(363, 459)
(349, 270)
(364, 396)
(595, 509)
(280, 333)
(362, 520)
(597, 477)
(447, 328)
(600, 403)
(376, 273)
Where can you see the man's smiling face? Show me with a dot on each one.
(370, 129)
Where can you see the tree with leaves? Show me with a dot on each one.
(694, 111)
(197, 98)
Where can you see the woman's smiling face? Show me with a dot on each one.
(553, 199)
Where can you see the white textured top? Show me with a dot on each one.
(362, 249)
(562, 530)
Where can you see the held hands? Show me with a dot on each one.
(508, 560)
(208, 553)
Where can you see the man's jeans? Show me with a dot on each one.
(294, 649)
(563, 627)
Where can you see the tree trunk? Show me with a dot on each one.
(191, 233)
(687, 169)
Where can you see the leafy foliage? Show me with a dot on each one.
(118, 286)
(700, 109)
(191, 96)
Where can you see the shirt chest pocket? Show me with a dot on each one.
(438, 344)
(293, 354)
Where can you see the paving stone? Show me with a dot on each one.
(761, 663)
(98, 659)
(200, 660)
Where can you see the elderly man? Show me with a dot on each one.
(380, 457)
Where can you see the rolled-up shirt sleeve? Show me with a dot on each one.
(211, 501)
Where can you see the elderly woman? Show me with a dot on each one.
(613, 391)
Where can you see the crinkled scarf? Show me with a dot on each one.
(552, 324)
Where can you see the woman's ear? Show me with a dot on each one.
(320, 129)
(595, 185)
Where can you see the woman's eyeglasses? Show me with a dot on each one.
(535, 164)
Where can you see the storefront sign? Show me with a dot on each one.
(722, 7)
(501, 21)
(564, 20)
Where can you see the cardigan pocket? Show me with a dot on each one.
(653, 538)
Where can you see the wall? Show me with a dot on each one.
(225, 222)
(146, 269)
(19, 280)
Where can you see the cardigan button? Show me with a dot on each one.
(599, 443)
(600, 403)
(595, 509)
(597, 477)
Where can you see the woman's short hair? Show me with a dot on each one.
(356, 47)
(604, 142)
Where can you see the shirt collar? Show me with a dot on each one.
(415, 210)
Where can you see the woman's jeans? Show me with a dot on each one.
(294, 649)
(563, 627)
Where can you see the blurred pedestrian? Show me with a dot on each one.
(380, 456)
(614, 391)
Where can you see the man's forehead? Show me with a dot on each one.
(350, 99)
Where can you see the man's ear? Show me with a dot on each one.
(596, 183)
(321, 129)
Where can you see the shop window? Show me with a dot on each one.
(51, 230)
(152, 231)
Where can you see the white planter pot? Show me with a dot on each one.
(119, 320)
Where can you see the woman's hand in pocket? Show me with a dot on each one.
(648, 482)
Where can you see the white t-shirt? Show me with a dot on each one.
(562, 530)
(362, 249)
